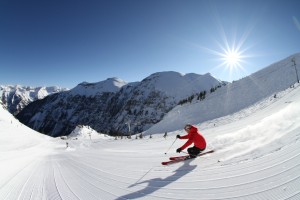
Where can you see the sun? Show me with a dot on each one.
(231, 55)
(232, 58)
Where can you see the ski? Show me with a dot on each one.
(177, 157)
(177, 160)
(201, 154)
(182, 158)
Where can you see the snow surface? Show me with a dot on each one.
(257, 157)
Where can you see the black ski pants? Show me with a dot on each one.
(194, 151)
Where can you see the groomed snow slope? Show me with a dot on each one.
(258, 151)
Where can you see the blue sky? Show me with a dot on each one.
(65, 42)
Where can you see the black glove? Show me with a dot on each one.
(178, 136)
(178, 150)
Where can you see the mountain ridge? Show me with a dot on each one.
(142, 103)
(15, 97)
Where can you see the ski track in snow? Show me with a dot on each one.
(111, 169)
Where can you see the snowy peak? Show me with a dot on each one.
(15, 98)
(111, 85)
(42, 92)
(31, 93)
(180, 85)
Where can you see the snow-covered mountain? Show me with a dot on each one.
(234, 96)
(15, 98)
(110, 106)
(110, 85)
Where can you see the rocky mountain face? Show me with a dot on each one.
(114, 106)
(15, 98)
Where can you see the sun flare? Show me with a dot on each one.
(231, 54)
(232, 58)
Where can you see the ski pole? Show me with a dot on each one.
(171, 145)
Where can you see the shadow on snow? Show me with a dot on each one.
(158, 183)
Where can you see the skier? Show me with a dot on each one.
(193, 136)
(165, 135)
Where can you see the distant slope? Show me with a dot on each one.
(233, 97)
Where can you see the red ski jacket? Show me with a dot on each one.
(194, 136)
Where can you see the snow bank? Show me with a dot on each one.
(14, 135)
(254, 137)
(86, 132)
